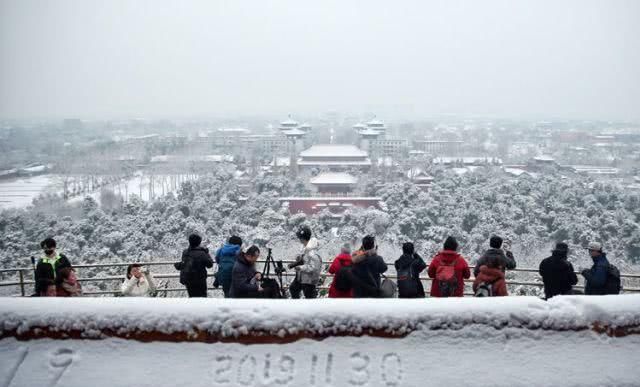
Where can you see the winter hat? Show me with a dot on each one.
(495, 242)
(235, 240)
(194, 240)
(407, 248)
(368, 242)
(561, 246)
(451, 243)
(346, 248)
(304, 233)
(595, 246)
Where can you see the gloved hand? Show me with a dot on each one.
(585, 272)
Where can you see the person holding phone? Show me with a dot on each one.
(138, 282)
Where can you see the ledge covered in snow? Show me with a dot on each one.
(213, 320)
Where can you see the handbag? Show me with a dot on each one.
(388, 288)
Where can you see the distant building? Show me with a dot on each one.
(336, 205)
(334, 182)
(438, 147)
(335, 157)
(467, 161)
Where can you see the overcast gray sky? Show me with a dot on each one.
(101, 59)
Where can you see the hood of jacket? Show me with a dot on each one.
(362, 255)
(229, 250)
(600, 258)
(345, 259)
(405, 260)
(490, 274)
(311, 245)
(198, 248)
(491, 252)
(448, 256)
(558, 254)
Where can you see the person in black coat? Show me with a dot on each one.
(49, 266)
(557, 273)
(412, 262)
(193, 267)
(366, 270)
(245, 279)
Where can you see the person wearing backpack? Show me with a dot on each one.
(557, 273)
(507, 261)
(448, 270)
(367, 269)
(193, 267)
(341, 286)
(49, 266)
(603, 277)
(490, 281)
(226, 258)
(408, 267)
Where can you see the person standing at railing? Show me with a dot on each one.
(308, 265)
(49, 265)
(67, 284)
(409, 266)
(341, 286)
(245, 279)
(448, 270)
(490, 281)
(603, 277)
(557, 273)
(367, 269)
(226, 258)
(193, 267)
(138, 282)
(507, 261)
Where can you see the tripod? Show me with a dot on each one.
(277, 270)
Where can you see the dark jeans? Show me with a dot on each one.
(296, 287)
(197, 289)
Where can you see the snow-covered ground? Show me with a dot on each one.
(18, 193)
(490, 342)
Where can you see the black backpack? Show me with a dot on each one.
(271, 288)
(613, 285)
(344, 279)
(407, 283)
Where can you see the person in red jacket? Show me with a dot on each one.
(492, 274)
(342, 259)
(448, 261)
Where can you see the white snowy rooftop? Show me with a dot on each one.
(333, 150)
(359, 125)
(466, 160)
(544, 158)
(234, 130)
(294, 132)
(375, 122)
(368, 132)
(334, 178)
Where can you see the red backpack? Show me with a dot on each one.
(447, 279)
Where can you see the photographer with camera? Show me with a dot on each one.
(307, 266)
(245, 279)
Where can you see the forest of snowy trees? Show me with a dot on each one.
(531, 212)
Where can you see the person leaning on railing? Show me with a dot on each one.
(138, 282)
(49, 265)
(193, 267)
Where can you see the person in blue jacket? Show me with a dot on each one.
(596, 277)
(226, 258)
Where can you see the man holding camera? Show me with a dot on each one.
(307, 266)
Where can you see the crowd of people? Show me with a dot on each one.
(356, 274)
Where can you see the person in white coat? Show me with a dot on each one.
(138, 282)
